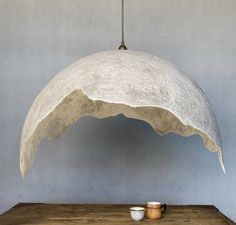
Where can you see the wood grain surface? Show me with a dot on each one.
(70, 214)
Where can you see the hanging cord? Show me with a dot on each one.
(122, 44)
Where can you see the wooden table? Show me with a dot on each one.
(61, 214)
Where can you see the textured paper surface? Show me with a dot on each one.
(136, 84)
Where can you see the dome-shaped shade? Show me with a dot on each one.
(136, 84)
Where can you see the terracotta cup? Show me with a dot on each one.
(154, 210)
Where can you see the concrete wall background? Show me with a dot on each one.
(117, 160)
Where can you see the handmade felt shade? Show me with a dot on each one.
(135, 84)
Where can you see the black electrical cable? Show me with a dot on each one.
(122, 45)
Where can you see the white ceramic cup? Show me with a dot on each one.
(137, 213)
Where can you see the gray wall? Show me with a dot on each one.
(117, 160)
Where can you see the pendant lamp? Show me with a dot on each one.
(135, 84)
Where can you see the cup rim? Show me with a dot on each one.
(137, 208)
(153, 203)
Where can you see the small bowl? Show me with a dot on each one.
(137, 213)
